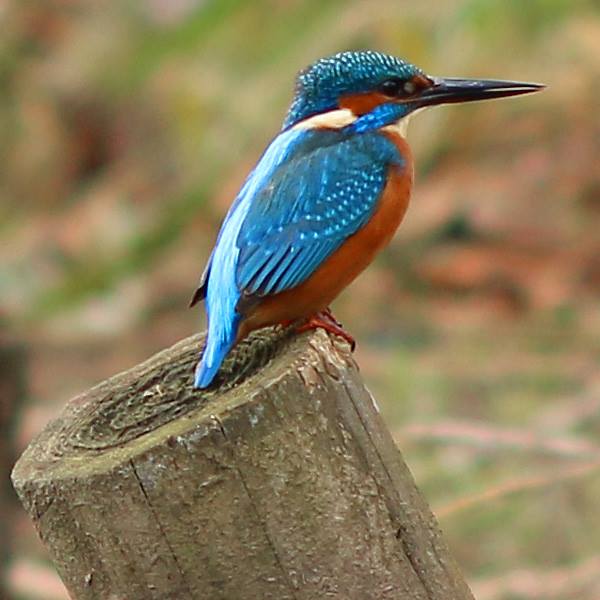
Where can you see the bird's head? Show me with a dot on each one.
(363, 81)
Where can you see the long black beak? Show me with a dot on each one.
(450, 90)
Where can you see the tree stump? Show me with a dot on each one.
(279, 482)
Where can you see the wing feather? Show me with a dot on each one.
(324, 193)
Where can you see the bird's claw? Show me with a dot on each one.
(325, 320)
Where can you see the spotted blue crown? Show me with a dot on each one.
(320, 86)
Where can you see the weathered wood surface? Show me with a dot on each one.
(286, 485)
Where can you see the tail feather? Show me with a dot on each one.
(215, 351)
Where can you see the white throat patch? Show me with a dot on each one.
(334, 119)
(401, 126)
(337, 119)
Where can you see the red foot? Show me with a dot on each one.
(325, 320)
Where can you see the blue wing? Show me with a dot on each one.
(322, 194)
(310, 191)
(218, 285)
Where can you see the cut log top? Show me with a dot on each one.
(280, 482)
(119, 411)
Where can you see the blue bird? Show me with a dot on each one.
(325, 197)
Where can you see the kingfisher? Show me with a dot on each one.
(324, 199)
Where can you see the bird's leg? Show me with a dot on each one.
(325, 320)
(327, 312)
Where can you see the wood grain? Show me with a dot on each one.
(284, 485)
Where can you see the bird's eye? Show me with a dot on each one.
(391, 87)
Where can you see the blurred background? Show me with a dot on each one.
(126, 129)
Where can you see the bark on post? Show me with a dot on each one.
(284, 485)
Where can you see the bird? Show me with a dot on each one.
(324, 199)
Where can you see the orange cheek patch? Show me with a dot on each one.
(422, 82)
(361, 104)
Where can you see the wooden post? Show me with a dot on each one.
(283, 485)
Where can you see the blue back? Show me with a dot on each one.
(325, 191)
(311, 190)
(219, 280)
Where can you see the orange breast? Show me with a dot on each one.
(348, 261)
